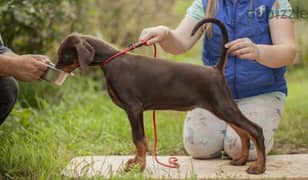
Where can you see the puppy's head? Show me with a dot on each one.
(73, 52)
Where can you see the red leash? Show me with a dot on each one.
(172, 160)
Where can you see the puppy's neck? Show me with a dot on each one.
(103, 50)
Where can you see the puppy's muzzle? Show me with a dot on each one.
(54, 75)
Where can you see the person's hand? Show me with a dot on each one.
(243, 48)
(29, 67)
(154, 34)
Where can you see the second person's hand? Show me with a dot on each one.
(154, 34)
(243, 48)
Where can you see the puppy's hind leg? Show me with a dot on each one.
(238, 161)
(255, 133)
(232, 115)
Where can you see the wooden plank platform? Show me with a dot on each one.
(278, 166)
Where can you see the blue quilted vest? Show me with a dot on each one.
(244, 18)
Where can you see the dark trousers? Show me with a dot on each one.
(8, 95)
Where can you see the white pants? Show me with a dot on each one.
(205, 136)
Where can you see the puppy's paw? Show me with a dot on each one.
(239, 162)
(256, 169)
(134, 164)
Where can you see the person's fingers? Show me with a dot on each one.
(229, 44)
(241, 51)
(40, 73)
(142, 34)
(147, 36)
(239, 45)
(41, 65)
(36, 75)
(41, 58)
(237, 41)
(236, 47)
(246, 56)
(153, 40)
(45, 59)
(244, 53)
(36, 57)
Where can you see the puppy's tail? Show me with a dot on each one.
(223, 58)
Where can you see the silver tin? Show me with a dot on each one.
(54, 75)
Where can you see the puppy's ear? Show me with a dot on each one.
(85, 53)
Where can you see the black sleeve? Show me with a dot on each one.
(3, 49)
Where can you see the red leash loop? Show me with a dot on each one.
(172, 160)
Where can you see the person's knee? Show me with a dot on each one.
(232, 144)
(202, 149)
(9, 93)
(202, 135)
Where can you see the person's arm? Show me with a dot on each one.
(284, 48)
(178, 40)
(6, 55)
(175, 41)
(4, 66)
(281, 53)
(23, 67)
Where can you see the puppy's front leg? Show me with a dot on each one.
(139, 139)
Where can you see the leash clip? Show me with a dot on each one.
(133, 46)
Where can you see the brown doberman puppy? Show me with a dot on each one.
(137, 83)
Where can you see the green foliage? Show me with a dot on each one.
(301, 32)
(33, 26)
(294, 126)
(299, 3)
(36, 26)
(123, 24)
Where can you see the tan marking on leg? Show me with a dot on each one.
(259, 166)
(140, 157)
(245, 146)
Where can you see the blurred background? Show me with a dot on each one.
(50, 125)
